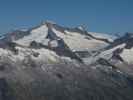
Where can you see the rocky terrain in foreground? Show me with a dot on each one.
(51, 62)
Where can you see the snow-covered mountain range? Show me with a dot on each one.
(54, 42)
(50, 44)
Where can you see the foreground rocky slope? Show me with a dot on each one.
(64, 82)
(51, 62)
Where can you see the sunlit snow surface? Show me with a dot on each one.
(39, 34)
(127, 55)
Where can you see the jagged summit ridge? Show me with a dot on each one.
(74, 43)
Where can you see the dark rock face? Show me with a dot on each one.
(64, 50)
(116, 55)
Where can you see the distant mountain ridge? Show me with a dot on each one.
(53, 36)
(66, 42)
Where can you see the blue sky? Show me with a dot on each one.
(107, 16)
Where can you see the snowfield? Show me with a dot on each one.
(39, 34)
(127, 55)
